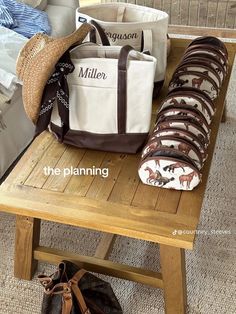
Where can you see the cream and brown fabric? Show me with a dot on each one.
(122, 80)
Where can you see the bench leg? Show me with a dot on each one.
(26, 240)
(174, 279)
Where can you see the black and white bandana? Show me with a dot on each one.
(56, 92)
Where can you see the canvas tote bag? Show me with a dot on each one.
(143, 28)
(110, 99)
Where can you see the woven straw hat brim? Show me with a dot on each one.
(30, 49)
(37, 69)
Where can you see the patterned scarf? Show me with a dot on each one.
(56, 92)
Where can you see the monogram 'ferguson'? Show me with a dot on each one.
(115, 36)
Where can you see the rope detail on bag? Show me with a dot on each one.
(56, 92)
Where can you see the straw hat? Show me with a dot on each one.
(36, 63)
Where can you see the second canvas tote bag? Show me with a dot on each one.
(143, 28)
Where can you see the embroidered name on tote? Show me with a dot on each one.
(92, 73)
(115, 36)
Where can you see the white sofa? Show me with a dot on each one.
(19, 130)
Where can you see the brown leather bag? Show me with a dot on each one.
(71, 290)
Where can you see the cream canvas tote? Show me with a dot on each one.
(143, 28)
(110, 98)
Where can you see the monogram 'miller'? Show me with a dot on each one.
(92, 73)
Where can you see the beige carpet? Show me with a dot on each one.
(211, 280)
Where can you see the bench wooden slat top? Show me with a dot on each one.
(118, 204)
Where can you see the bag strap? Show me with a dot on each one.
(67, 303)
(60, 274)
(122, 89)
(65, 289)
(120, 13)
(147, 40)
(75, 287)
(102, 34)
(74, 281)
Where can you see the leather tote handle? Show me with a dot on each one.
(74, 281)
(122, 88)
(102, 34)
(146, 41)
(64, 289)
(120, 13)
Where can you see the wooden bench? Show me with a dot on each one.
(117, 205)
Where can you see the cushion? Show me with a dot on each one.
(62, 20)
(42, 5)
(38, 4)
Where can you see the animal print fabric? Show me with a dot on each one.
(177, 149)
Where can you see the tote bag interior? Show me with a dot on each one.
(123, 13)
